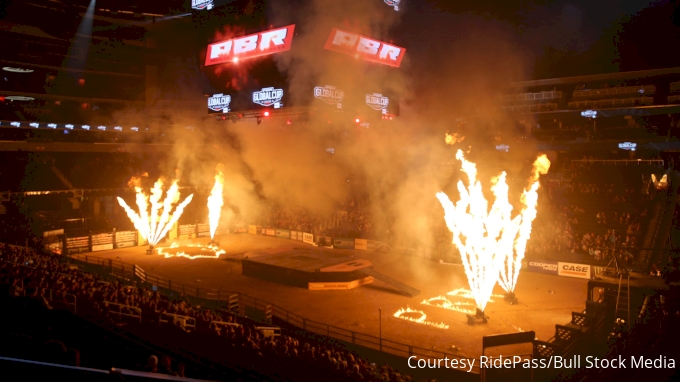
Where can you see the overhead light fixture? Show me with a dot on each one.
(17, 70)
(19, 98)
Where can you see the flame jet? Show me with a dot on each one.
(215, 203)
(513, 263)
(150, 225)
(486, 237)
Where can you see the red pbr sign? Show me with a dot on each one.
(254, 45)
(367, 48)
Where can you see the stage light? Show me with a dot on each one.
(2, 99)
(235, 60)
(84, 106)
(357, 120)
(81, 82)
(57, 102)
(266, 114)
(289, 122)
(16, 70)
(19, 98)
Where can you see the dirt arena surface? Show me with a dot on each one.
(544, 300)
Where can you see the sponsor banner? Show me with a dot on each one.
(241, 230)
(126, 238)
(77, 242)
(270, 232)
(101, 247)
(541, 266)
(283, 233)
(187, 230)
(367, 48)
(343, 243)
(293, 235)
(125, 244)
(307, 238)
(361, 244)
(55, 232)
(203, 230)
(325, 241)
(254, 45)
(300, 236)
(581, 271)
(102, 239)
(372, 245)
(222, 231)
(252, 229)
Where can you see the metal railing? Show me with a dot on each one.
(284, 315)
(624, 162)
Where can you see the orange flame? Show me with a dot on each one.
(150, 225)
(486, 237)
(215, 203)
(208, 248)
(453, 139)
(420, 320)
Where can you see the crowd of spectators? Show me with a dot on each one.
(218, 335)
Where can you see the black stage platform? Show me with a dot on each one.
(316, 269)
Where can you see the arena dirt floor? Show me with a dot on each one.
(544, 300)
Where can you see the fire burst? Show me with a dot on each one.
(486, 238)
(420, 320)
(154, 225)
(215, 203)
(456, 306)
(513, 263)
(209, 248)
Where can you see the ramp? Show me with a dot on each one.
(398, 285)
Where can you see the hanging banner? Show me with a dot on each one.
(355, 45)
(254, 45)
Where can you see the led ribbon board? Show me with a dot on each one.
(254, 45)
(367, 48)
(268, 97)
(330, 95)
(219, 103)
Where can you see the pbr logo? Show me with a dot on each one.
(219, 103)
(203, 4)
(329, 94)
(393, 3)
(377, 101)
(268, 97)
